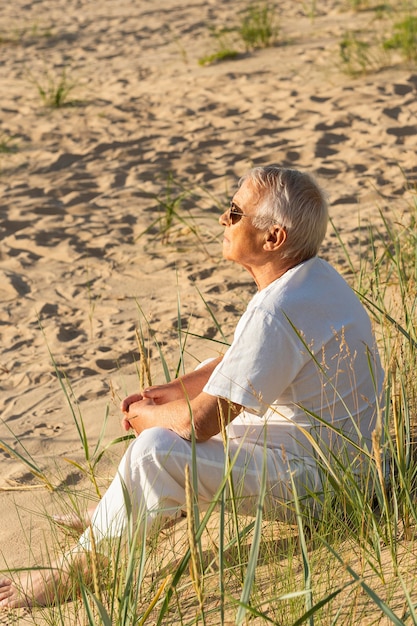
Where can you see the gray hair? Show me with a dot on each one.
(293, 200)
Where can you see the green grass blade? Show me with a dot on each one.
(216, 323)
(186, 558)
(26, 459)
(310, 613)
(304, 551)
(164, 363)
(254, 550)
(105, 618)
(379, 602)
(372, 307)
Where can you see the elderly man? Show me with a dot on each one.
(302, 370)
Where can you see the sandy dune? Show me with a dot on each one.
(147, 125)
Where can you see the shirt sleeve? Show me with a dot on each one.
(264, 358)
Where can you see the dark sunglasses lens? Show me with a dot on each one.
(235, 217)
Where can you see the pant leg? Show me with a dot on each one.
(152, 473)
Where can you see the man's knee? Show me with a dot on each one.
(154, 442)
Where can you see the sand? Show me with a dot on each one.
(83, 262)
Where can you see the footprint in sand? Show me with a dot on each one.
(43, 430)
(401, 132)
(69, 332)
(128, 358)
(326, 145)
(12, 285)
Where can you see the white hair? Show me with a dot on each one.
(292, 200)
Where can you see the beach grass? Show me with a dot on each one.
(224, 54)
(177, 211)
(257, 26)
(404, 37)
(356, 53)
(347, 560)
(54, 88)
(7, 144)
(226, 45)
(169, 203)
(19, 35)
(369, 49)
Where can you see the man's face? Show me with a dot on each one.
(242, 242)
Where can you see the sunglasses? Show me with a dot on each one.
(234, 214)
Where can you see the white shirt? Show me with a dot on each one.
(303, 353)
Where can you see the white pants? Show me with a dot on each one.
(152, 474)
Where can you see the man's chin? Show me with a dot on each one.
(226, 250)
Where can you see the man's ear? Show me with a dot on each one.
(275, 238)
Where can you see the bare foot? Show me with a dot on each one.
(9, 595)
(30, 590)
(44, 586)
(74, 521)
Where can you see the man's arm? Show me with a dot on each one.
(187, 386)
(204, 412)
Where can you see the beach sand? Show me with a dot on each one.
(85, 189)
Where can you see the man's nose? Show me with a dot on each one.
(223, 219)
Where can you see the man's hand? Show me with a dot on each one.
(161, 394)
(132, 407)
(125, 407)
(139, 414)
(180, 405)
